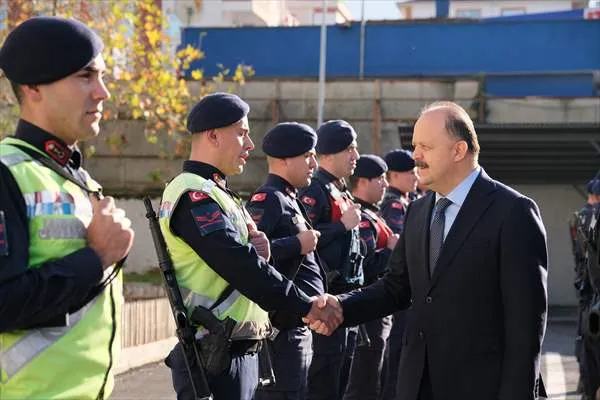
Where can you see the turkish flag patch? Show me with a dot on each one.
(258, 197)
(397, 205)
(309, 200)
(197, 196)
(363, 224)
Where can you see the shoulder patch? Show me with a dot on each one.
(258, 197)
(364, 224)
(309, 200)
(3, 236)
(198, 196)
(397, 204)
(209, 218)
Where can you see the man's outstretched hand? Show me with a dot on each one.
(325, 315)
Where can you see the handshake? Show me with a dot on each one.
(325, 315)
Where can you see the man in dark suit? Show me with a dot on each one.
(472, 263)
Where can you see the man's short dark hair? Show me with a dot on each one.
(353, 180)
(17, 91)
(458, 123)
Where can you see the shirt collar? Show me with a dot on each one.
(49, 144)
(281, 184)
(205, 170)
(339, 183)
(394, 191)
(459, 194)
(366, 205)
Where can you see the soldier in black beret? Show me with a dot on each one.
(278, 213)
(333, 213)
(368, 185)
(54, 279)
(221, 258)
(402, 181)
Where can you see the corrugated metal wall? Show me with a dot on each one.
(510, 53)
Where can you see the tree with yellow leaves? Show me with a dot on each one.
(144, 77)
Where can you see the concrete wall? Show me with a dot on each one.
(373, 107)
(557, 204)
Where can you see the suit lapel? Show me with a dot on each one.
(476, 203)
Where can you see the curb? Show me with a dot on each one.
(138, 356)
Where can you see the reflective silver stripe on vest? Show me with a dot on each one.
(242, 330)
(12, 159)
(24, 350)
(62, 229)
(194, 299)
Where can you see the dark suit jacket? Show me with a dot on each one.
(480, 320)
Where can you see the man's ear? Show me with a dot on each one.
(31, 92)
(461, 148)
(213, 137)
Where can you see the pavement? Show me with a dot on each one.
(559, 367)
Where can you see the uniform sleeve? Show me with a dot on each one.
(204, 227)
(266, 210)
(392, 213)
(385, 296)
(315, 202)
(375, 260)
(33, 297)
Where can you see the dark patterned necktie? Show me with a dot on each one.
(436, 232)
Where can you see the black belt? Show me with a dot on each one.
(243, 347)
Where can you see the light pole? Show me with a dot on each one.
(363, 22)
(322, 62)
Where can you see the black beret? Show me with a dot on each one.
(289, 139)
(216, 110)
(47, 49)
(334, 136)
(370, 166)
(399, 160)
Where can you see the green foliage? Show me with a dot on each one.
(144, 77)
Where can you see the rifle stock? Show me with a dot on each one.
(185, 331)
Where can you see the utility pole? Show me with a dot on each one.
(322, 62)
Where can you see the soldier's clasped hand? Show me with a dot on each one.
(109, 232)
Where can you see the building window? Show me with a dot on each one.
(468, 13)
(512, 11)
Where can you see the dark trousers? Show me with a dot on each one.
(325, 369)
(364, 382)
(236, 383)
(347, 358)
(590, 366)
(291, 355)
(393, 353)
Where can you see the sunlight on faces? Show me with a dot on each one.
(70, 108)
(300, 169)
(405, 181)
(436, 152)
(342, 164)
(234, 145)
(375, 188)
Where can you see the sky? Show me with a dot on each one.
(374, 9)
